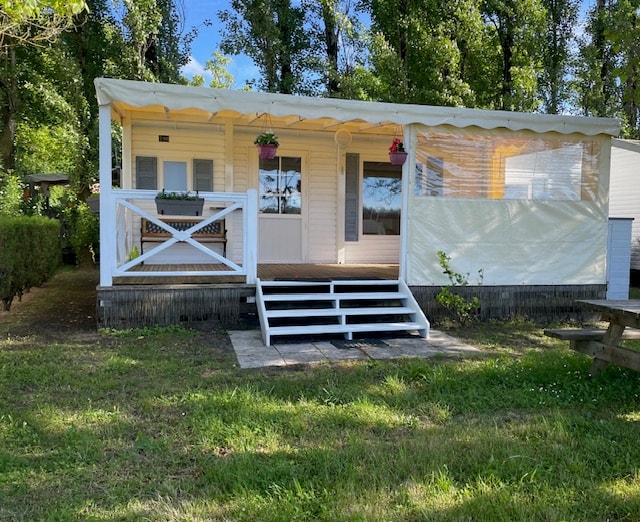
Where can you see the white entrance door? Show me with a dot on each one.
(280, 223)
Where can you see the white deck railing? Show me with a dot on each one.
(118, 211)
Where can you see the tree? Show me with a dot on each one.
(25, 24)
(36, 20)
(595, 85)
(221, 78)
(336, 43)
(553, 87)
(272, 34)
(626, 40)
(515, 32)
(424, 51)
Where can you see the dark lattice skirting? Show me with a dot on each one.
(136, 306)
(232, 305)
(537, 302)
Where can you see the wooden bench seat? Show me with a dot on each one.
(587, 334)
(214, 232)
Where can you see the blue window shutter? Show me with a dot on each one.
(352, 197)
(146, 172)
(203, 175)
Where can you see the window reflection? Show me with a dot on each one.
(280, 181)
(381, 198)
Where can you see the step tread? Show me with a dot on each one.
(328, 312)
(345, 328)
(334, 296)
(335, 282)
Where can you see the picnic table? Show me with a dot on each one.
(602, 344)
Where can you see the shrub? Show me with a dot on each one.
(462, 308)
(30, 249)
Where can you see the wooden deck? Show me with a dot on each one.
(266, 272)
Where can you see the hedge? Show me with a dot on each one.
(30, 252)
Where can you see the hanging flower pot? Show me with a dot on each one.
(267, 151)
(398, 157)
(267, 144)
(397, 154)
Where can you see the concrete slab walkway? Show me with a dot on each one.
(252, 353)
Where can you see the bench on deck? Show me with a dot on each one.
(214, 232)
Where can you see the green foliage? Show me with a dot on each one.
(217, 67)
(85, 234)
(30, 249)
(49, 149)
(462, 308)
(266, 138)
(273, 34)
(81, 227)
(553, 89)
(37, 20)
(179, 196)
(11, 193)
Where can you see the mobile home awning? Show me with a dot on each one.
(127, 95)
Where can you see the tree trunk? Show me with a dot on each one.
(9, 108)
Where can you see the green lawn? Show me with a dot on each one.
(162, 425)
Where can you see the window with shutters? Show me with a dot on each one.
(174, 175)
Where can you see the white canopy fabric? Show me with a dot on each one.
(124, 95)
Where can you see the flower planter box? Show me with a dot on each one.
(180, 207)
(397, 158)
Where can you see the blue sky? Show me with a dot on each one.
(208, 41)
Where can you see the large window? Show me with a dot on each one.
(381, 198)
(280, 181)
(506, 166)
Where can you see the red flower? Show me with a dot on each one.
(396, 146)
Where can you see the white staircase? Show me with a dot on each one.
(337, 306)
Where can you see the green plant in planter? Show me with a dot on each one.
(266, 138)
(178, 196)
(179, 203)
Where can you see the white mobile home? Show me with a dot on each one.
(521, 197)
(624, 193)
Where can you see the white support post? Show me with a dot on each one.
(107, 204)
(407, 171)
(251, 237)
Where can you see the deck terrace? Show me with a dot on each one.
(266, 272)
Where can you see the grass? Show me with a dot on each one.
(160, 424)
